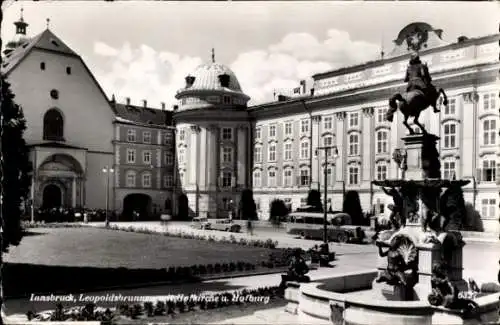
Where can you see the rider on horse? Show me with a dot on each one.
(418, 77)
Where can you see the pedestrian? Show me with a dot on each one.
(249, 227)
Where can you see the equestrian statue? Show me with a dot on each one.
(420, 94)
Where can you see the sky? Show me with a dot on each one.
(145, 49)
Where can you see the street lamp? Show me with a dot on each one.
(108, 171)
(327, 149)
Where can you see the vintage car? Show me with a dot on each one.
(311, 225)
(226, 225)
(200, 223)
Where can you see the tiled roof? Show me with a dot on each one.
(44, 41)
(207, 78)
(143, 115)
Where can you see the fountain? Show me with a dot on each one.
(418, 279)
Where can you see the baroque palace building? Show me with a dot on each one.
(86, 150)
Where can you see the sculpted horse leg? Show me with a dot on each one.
(405, 122)
(417, 123)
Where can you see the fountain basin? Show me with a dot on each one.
(347, 299)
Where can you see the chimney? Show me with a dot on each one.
(312, 91)
(144, 103)
(176, 107)
(127, 99)
(283, 98)
(162, 106)
(303, 84)
(113, 99)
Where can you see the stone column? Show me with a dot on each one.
(316, 173)
(204, 161)
(212, 157)
(73, 192)
(367, 145)
(469, 135)
(341, 138)
(193, 156)
(241, 154)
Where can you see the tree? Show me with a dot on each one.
(314, 200)
(15, 173)
(278, 211)
(247, 208)
(352, 206)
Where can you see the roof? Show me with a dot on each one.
(51, 144)
(207, 78)
(43, 41)
(142, 115)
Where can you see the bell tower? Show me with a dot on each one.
(20, 37)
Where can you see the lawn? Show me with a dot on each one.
(101, 248)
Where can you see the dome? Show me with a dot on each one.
(212, 76)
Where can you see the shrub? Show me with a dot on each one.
(210, 269)
(232, 266)
(160, 308)
(217, 268)
(225, 267)
(149, 309)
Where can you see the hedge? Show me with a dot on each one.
(159, 308)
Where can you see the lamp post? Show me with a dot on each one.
(326, 149)
(108, 171)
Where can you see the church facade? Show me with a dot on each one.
(78, 139)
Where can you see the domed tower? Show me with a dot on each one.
(20, 36)
(212, 143)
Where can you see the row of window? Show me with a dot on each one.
(381, 147)
(146, 179)
(226, 134)
(43, 66)
(488, 173)
(226, 156)
(488, 134)
(168, 157)
(226, 179)
(226, 99)
(146, 136)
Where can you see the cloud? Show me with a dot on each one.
(142, 73)
(145, 73)
(297, 57)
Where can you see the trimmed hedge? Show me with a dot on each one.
(44, 278)
(154, 309)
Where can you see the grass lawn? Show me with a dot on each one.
(101, 248)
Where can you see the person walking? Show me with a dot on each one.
(250, 227)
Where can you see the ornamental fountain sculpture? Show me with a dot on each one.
(419, 269)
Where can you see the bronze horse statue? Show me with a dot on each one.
(412, 103)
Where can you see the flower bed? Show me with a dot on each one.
(157, 308)
(268, 243)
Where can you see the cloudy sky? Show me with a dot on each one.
(143, 49)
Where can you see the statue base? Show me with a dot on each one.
(394, 292)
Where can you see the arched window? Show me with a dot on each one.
(53, 126)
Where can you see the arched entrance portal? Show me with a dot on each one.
(52, 196)
(139, 203)
(183, 213)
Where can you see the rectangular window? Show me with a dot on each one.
(450, 109)
(131, 135)
(271, 180)
(287, 177)
(382, 145)
(182, 156)
(168, 158)
(328, 142)
(146, 157)
(449, 170)
(304, 150)
(489, 132)
(272, 131)
(327, 123)
(257, 179)
(257, 133)
(167, 137)
(489, 101)
(272, 152)
(353, 120)
(227, 134)
(450, 133)
(489, 171)
(227, 178)
(353, 144)
(182, 135)
(227, 155)
(381, 172)
(488, 208)
(288, 128)
(381, 114)
(288, 151)
(130, 179)
(131, 156)
(146, 137)
(146, 180)
(353, 175)
(304, 126)
(304, 177)
(257, 154)
(168, 181)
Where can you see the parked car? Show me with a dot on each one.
(200, 223)
(311, 225)
(226, 225)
